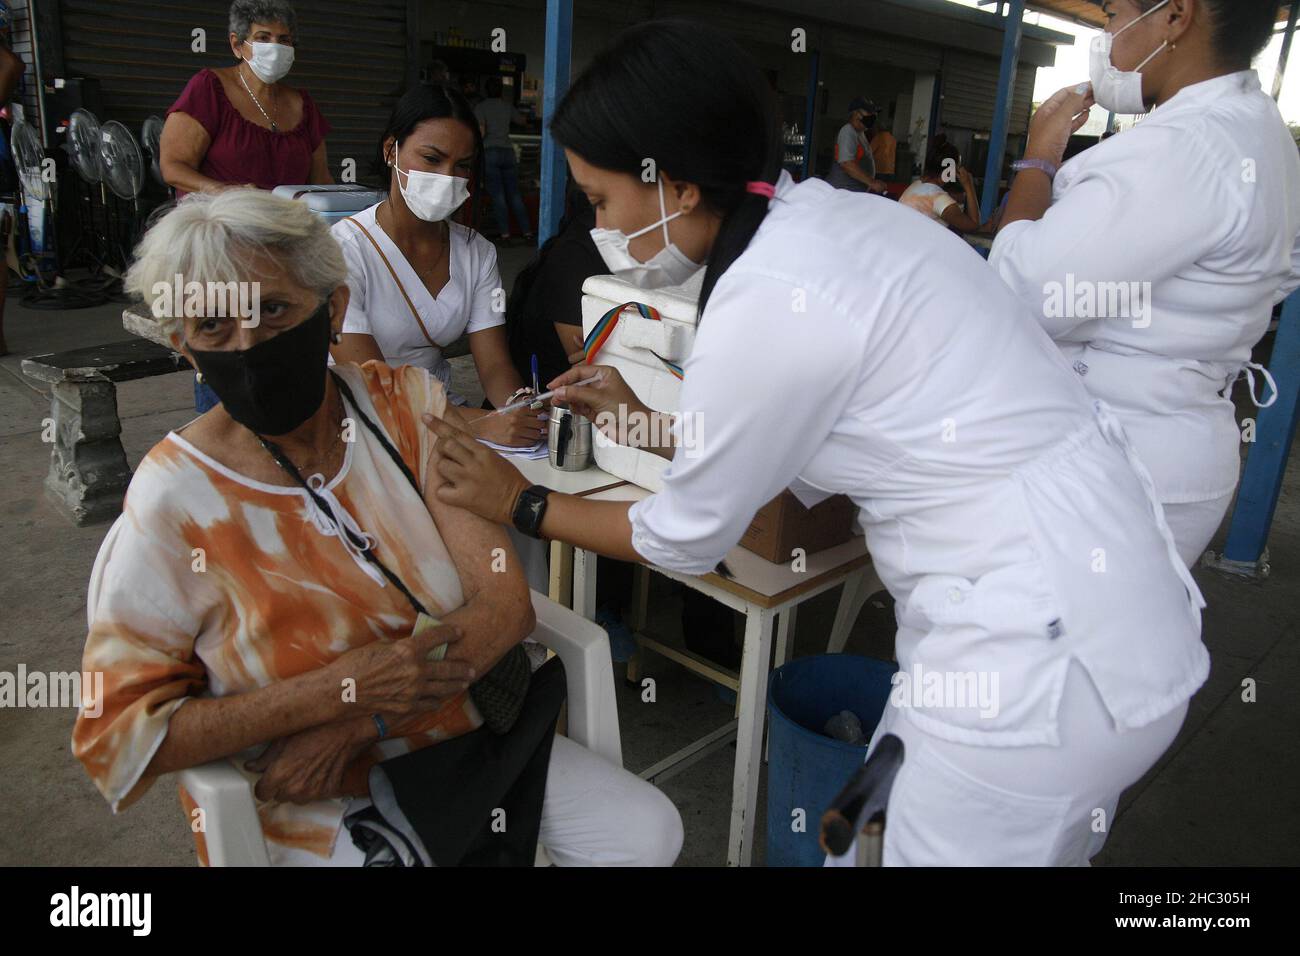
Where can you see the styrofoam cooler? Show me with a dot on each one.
(334, 201)
(631, 349)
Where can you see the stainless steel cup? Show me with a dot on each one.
(570, 440)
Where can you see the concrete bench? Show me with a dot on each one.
(88, 470)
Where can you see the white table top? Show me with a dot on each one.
(582, 483)
(757, 579)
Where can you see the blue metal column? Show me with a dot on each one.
(1265, 467)
(810, 115)
(1013, 29)
(1261, 484)
(555, 82)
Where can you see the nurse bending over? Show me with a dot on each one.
(1155, 258)
(1000, 503)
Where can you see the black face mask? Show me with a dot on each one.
(276, 385)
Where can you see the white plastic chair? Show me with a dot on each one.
(233, 833)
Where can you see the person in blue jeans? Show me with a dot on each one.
(494, 117)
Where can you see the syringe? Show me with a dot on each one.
(524, 402)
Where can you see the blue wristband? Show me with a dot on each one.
(379, 722)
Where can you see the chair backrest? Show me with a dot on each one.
(583, 646)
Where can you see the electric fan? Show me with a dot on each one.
(83, 146)
(151, 139)
(38, 198)
(122, 167)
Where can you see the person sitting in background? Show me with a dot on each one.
(240, 125)
(495, 116)
(317, 550)
(853, 167)
(420, 281)
(929, 195)
(544, 311)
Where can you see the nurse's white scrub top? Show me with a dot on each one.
(1202, 201)
(378, 308)
(853, 348)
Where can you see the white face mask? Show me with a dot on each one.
(431, 196)
(270, 61)
(1117, 90)
(668, 267)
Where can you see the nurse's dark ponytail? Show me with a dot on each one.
(692, 100)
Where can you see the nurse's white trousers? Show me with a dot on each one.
(594, 814)
(1194, 525)
(961, 805)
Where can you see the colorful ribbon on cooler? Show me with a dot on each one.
(603, 329)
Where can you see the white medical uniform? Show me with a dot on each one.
(378, 308)
(853, 348)
(1201, 201)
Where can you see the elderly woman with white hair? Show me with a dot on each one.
(279, 544)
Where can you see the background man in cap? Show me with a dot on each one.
(852, 165)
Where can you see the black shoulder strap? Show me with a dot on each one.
(376, 431)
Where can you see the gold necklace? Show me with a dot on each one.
(275, 128)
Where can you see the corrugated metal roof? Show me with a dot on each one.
(1089, 11)
(1081, 11)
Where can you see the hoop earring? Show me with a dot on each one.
(198, 377)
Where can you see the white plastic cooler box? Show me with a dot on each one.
(631, 348)
(333, 202)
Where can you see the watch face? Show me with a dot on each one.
(529, 512)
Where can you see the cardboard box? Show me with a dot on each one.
(784, 524)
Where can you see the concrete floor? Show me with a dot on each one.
(1224, 794)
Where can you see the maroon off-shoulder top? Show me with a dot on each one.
(240, 151)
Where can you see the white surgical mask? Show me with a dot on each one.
(669, 266)
(432, 196)
(1117, 90)
(270, 61)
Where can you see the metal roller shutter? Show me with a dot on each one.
(22, 46)
(352, 60)
(970, 91)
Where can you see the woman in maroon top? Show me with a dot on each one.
(241, 126)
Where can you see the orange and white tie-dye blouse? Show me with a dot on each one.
(211, 584)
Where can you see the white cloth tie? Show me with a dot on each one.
(1115, 434)
(342, 518)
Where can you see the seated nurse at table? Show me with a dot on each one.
(420, 281)
(1154, 259)
(985, 477)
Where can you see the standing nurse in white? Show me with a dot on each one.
(1155, 258)
(420, 281)
(1001, 508)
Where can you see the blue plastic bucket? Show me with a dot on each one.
(805, 768)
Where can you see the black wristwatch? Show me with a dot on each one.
(529, 511)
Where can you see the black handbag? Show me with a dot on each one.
(474, 800)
